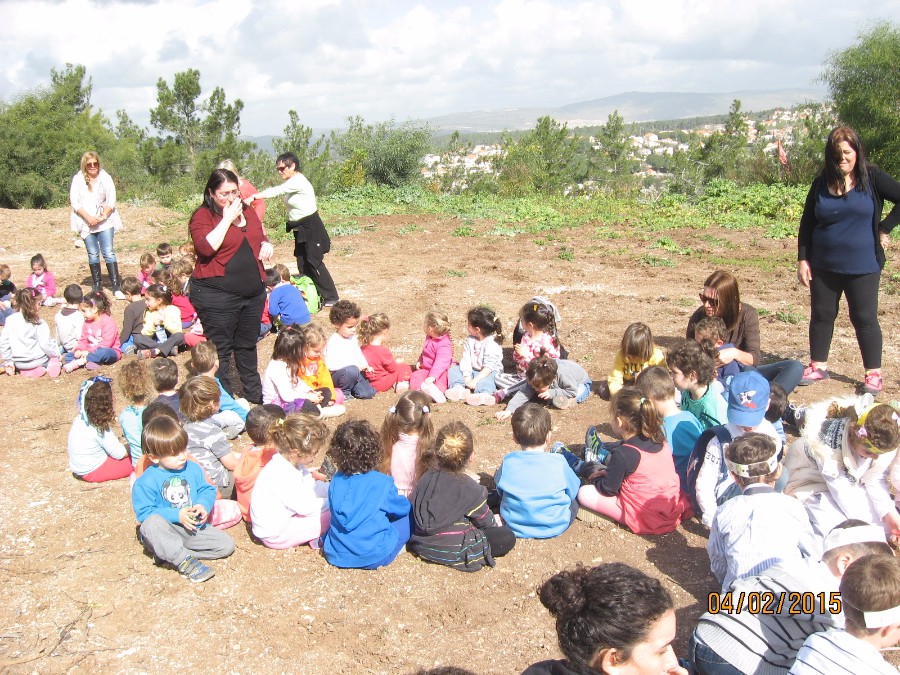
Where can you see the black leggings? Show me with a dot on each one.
(861, 290)
(501, 539)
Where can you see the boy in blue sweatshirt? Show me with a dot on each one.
(172, 502)
(537, 488)
(286, 302)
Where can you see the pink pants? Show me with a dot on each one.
(225, 513)
(191, 339)
(300, 530)
(111, 469)
(590, 498)
(54, 367)
(418, 376)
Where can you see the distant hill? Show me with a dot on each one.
(633, 106)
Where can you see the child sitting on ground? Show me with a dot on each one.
(482, 358)
(133, 319)
(639, 487)
(172, 502)
(870, 595)
(178, 279)
(289, 507)
(162, 333)
(164, 373)
(384, 372)
(343, 357)
(206, 440)
(556, 381)
(778, 403)
(694, 372)
(7, 293)
(164, 257)
(710, 333)
(370, 522)
(537, 489)
(709, 482)
(453, 524)
(136, 386)
(681, 428)
(42, 280)
(839, 467)
(636, 352)
(433, 364)
(286, 302)
(69, 320)
(99, 343)
(259, 420)
(406, 431)
(538, 337)
(145, 274)
(95, 454)
(26, 345)
(760, 527)
(205, 361)
(315, 374)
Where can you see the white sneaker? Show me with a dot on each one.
(335, 410)
(50, 302)
(456, 393)
(79, 243)
(431, 389)
(120, 295)
(74, 365)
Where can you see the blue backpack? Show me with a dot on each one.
(695, 463)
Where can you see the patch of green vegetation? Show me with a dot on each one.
(656, 261)
(503, 231)
(670, 245)
(566, 253)
(457, 273)
(789, 316)
(463, 231)
(343, 228)
(763, 312)
(409, 229)
(687, 302)
(606, 232)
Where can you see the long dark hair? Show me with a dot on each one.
(834, 177)
(216, 179)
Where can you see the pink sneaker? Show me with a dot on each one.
(92, 365)
(812, 375)
(872, 384)
(431, 389)
(481, 399)
(54, 368)
(456, 393)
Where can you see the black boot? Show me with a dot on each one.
(95, 276)
(113, 269)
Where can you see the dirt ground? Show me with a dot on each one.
(81, 596)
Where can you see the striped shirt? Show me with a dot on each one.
(836, 652)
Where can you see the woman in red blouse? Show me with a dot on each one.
(227, 286)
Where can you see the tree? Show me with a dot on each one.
(866, 91)
(387, 154)
(615, 146)
(314, 155)
(726, 155)
(546, 159)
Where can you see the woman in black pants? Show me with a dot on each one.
(311, 240)
(227, 286)
(841, 251)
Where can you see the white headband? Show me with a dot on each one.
(863, 534)
(886, 617)
(743, 470)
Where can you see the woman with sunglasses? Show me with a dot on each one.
(311, 240)
(95, 218)
(721, 297)
(228, 284)
(841, 252)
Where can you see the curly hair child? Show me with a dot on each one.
(136, 386)
(693, 369)
(383, 372)
(95, 453)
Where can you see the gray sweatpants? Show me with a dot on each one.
(172, 543)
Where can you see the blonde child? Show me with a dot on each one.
(162, 334)
(694, 372)
(636, 352)
(370, 522)
(315, 374)
(383, 372)
(870, 596)
(136, 386)
(173, 501)
(343, 356)
(177, 278)
(538, 337)
(99, 343)
(453, 524)
(405, 432)
(145, 275)
(206, 440)
(639, 487)
(482, 358)
(284, 385)
(95, 454)
(257, 456)
(42, 280)
(26, 344)
(289, 507)
(839, 467)
(433, 364)
(205, 361)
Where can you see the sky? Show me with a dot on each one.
(331, 59)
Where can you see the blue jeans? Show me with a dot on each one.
(786, 373)
(403, 526)
(708, 662)
(352, 382)
(105, 356)
(485, 385)
(584, 393)
(101, 242)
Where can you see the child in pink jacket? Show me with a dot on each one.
(99, 343)
(434, 362)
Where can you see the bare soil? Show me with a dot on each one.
(81, 596)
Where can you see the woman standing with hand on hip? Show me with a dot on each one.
(841, 252)
(311, 240)
(95, 218)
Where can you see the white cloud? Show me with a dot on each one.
(333, 58)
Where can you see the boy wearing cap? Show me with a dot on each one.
(760, 527)
(737, 638)
(748, 400)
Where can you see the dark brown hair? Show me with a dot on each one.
(98, 406)
(486, 321)
(541, 371)
(656, 383)
(728, 296)
(260, 419)
(355, 447)
(691, 358)
(531, 425)
(870, 584)
(834, 177)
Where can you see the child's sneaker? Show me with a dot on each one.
(573, 460)
(593, 447)
(431, 389)
(335, 410)
(456, 393)
(794, 414)
(74, 365)
(588, 516)
(91, 365)
(481, 399)
(400, 387)
(563, 402)
(195, 570)
(812, 375)
(873, 384)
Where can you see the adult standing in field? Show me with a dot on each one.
(228, 284)
(95, 218)
(840, 251)
(311, 240)
(721, 297)
(247, 188)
